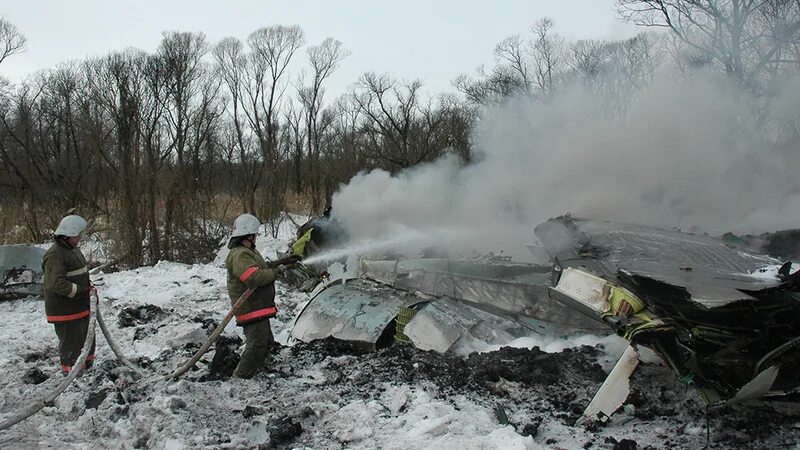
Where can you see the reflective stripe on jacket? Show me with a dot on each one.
(66, 283)
(248, 269)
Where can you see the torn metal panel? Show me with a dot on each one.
(588, 289)
(693, 300)
(389, 271)
(757, 387)
(614, 390)
(20, 270)
(359, 311)
(513, 289)
(382, 271)
(437, 326)
(440, 324)
(711, 272)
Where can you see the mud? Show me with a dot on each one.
(566, 380)
(624, 444)
(529, 367)
(40, 355)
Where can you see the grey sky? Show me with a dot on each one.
(431, 40)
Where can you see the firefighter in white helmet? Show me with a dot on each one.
(248, 269)
(66, 291)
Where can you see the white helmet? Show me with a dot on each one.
(244, 225)
(71, 226)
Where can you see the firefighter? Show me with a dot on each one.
(66, 291)
(247, 269)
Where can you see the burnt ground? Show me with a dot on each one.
(298, 394)
(525, 387)
(540, 394)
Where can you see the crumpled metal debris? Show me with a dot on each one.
(20, 271)
(723, 323)
(491, 302)
(692, 299)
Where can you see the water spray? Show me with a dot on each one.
(402, 241)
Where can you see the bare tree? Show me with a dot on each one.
(11, 40)
(547, 49)
(523, 66)
(401, 128)
(233, 66)
(511, 51)
(324, 59)
(272, 49)
(588, 60)
(494, 85)
(731, 33)
(297, 137)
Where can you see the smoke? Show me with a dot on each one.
(690, 154)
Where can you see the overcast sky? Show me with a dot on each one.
(432, 40)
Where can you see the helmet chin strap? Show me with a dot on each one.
(250, 240)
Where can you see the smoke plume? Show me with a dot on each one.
(690, 154)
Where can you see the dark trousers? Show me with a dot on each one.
(258, 340)
(70, 342)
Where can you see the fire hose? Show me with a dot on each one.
(96, 317)
(111, 343)
(76, 369)
(211, 339)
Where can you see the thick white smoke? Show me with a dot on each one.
(687, 154)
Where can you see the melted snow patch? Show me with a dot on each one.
(771, 272)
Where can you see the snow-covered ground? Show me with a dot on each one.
(327, 395)
(770, 273)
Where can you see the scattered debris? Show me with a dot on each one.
(225, 358)
(283, 430)
(20, 271)
(723, 331)
(138, 315)
(96, 398)
(692, 299)
(34, 376)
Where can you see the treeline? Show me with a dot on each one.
(163, 149)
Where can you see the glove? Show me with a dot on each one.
(280, 269)
(90, 289)
(289, 260)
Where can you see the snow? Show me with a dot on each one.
(189, 413)
(165, 284)
(458, 423)
(771, 272)
(549, 344)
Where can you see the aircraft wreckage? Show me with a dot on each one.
(726, 321)
(20, 271)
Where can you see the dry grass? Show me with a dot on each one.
(15, 219)
(298, 203)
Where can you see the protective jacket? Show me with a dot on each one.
(66, 283)
(248, 269)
